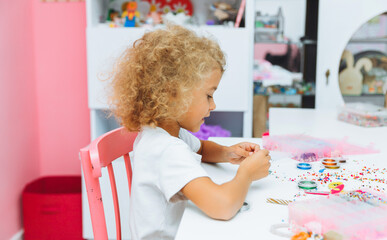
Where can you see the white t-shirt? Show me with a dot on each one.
(162, 166)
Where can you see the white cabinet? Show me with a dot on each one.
(234, 94)
(337, 22)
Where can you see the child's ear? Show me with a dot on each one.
(174, 93)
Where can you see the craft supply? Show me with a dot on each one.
(363, 114)
(329, 162)
(304, 166)
(278, 201)
(307, 157)
(353, 215)
(307, 184)
(275, 227)
(317, 192)
(332, 167)
(301, 236)
(334, 184)
(342, 160)
(337, 189)
(309, 149)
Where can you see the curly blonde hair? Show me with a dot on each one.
(153, 79)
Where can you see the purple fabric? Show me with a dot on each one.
(207, 131)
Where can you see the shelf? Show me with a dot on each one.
(274, 42)
(284, 94)
(366, 95)
(267, 30)
(369, 40)
(190, 26)
(97, 10)
(309, 42)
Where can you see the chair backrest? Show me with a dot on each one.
(99, 154)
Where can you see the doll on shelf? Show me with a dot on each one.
(130, 14)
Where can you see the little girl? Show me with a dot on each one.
(162, 87)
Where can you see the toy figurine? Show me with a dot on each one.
(130, 14)
(153, 18)
(223, 12)
(351, 78)
(113, 18)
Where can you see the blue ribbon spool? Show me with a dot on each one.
(304, 166)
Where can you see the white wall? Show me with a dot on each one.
(293, 11)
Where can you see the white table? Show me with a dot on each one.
(256, 222)
(323, 124)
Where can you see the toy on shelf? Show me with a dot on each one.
(363, 114)
(309, 149)
(351, 215)
(374, 81)
(149, 13)
(130, 14)
(179, 18)
(113, 18)
(175, 6)
(153, 18)
(134, 13)
(351, 78)
(223, 13)
(207, 131)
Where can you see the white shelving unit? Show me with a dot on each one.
(233, 98)
(338, 21)
(104, 44)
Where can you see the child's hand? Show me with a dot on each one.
(238, 152)
(257, 165)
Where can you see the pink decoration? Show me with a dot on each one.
(240, 13)
(309, 149)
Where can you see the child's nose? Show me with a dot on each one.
(212, 105)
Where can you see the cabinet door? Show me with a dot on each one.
(337, 22)
(104, 45)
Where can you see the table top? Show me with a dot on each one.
(324, 124)
(256, 222)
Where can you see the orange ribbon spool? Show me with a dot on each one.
(329, 162)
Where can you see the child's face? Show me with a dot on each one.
(202, 102)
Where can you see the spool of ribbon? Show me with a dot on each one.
(329, 162)
(304, 166)
(307, 184)
(332, 167)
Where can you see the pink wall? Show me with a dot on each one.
(43, 97)
(61, 83)
(19, 143)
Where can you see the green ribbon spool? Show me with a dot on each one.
(307, 184)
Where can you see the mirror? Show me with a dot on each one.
(363, 65)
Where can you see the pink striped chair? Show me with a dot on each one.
(101, 153)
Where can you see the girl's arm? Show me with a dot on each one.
(223, 201)
(214, 153)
